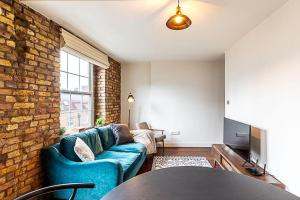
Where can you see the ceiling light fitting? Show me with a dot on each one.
(178, 21)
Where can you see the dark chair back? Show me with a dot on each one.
(54, 188)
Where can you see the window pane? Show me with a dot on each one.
(73, 64)
(84, 68)
(75, 108)
(74, 119)
(75, 102)
(63, 61)
(73, 82)
(85, 119)
(63, 81)
(64, 120)
(65, 102)
(84, 84)
(86, 102)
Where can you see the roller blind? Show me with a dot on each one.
(80, 48)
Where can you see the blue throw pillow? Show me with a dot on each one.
(106, 136)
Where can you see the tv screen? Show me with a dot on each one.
(237, 137)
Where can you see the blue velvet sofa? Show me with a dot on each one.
(116, 164)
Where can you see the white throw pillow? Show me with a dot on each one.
(83, 151)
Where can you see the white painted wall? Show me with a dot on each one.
(180, 96)
(188, 96)
(263, 87)
(135, 78)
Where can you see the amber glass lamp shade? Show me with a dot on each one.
(178, 21)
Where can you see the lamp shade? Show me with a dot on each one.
(178, 21)
(130, 98)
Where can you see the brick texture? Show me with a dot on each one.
(29, 95)
(107, 92)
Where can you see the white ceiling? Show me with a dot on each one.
(135, 30)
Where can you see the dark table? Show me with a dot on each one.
(196, 183)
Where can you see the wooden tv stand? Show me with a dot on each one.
(227, 159)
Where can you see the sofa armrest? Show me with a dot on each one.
(106, 173)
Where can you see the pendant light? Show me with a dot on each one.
(178, 21)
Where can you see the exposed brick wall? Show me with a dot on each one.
(99, 92)
(107, 92)
(29, 95)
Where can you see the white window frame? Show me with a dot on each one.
(91, 87)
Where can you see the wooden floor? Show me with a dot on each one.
(178, 151)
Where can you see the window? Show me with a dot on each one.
(76, 92)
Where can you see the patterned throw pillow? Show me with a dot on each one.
(83, 151)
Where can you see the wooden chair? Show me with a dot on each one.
(158, 138)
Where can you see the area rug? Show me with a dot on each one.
(160, 162)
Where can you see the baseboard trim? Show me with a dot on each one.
(188, 144)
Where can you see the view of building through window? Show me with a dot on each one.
(76, 92)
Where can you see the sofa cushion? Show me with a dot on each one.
(130, 147)
(90, 137)
(127, 159)
(83, 151)
(122, 133)
(106, 136)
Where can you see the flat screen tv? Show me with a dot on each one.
(237, 137)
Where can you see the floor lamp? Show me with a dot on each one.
(130, 100)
